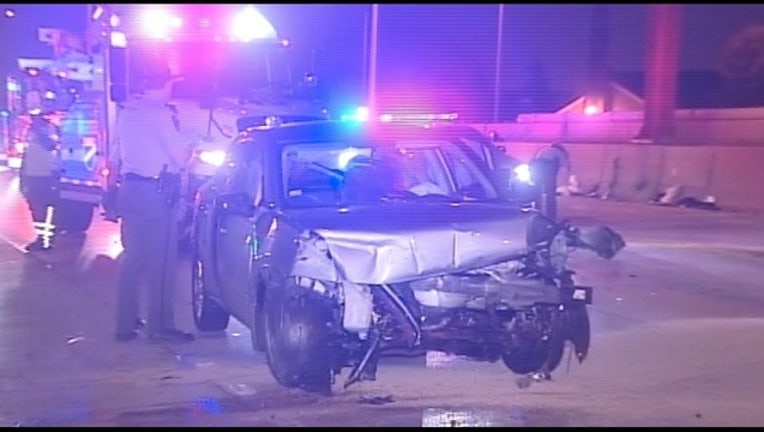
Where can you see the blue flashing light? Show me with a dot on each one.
(361, 114)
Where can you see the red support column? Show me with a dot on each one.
(664, 22)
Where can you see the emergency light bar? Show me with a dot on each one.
(362, 114)
(247, 25)
(387, 118)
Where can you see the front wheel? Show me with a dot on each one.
(297, 340)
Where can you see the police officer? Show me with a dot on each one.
(39, 180)
(151, 152)
(545, 167)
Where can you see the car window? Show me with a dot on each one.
(420, 167)
(481, 150)
(244, 170)
(313, 173)
(469, 179)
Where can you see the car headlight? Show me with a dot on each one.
(212, 157)
(522, 173)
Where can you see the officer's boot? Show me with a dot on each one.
(39, 244)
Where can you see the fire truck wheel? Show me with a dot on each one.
(74, 216)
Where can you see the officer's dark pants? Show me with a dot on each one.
(544, 173)
(149, 231)
(41, 194)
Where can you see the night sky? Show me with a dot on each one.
(443, 56)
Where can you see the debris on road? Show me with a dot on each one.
(376, 400)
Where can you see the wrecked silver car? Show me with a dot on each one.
(336, 242)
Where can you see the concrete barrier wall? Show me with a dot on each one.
(737, 177)
(733, 175)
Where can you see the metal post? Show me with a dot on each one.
(373, 61)
(365, 58)
(497, 78)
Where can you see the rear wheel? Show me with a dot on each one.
(297, 340)
(208, 315)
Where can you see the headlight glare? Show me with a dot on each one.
(522, 173)
(212, 157)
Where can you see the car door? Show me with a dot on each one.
(236, 214)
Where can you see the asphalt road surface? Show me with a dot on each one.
(677, 322)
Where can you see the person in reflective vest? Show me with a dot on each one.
(39, 178)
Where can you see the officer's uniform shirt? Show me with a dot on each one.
(148, 138)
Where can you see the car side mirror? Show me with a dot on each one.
(238, 203)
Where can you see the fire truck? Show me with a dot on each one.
(237, 72)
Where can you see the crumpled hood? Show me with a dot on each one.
(400, 242)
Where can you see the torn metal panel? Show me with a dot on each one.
(401, 248)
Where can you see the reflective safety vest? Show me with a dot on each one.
(40, 162)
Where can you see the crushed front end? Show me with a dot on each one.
(523, 309)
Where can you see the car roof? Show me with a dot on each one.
(336, 130)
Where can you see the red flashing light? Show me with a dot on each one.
(158, 23)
